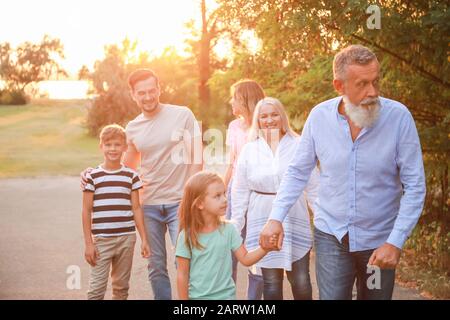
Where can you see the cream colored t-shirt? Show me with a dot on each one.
(162, 141)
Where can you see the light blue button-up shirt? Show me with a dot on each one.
(372, 188)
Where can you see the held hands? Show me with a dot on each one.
(386, 257)
(83, 176)
(273, 244)
(145, 250)
(91, 254)
(271, 237)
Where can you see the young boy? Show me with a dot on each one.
(111, 211)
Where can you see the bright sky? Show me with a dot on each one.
(86, 26)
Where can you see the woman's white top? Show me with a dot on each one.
(258, 175)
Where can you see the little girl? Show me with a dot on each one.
(205, 242)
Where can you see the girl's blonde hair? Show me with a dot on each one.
(255, 129)
(248, 93)
(191, 220)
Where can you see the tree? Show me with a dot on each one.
(202, 44)
(84, 73)
(30, 63)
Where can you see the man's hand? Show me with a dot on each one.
(145, 250)
(91, 254)
(272, 230)
(83, 176)
(386, 257)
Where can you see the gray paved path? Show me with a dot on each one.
(41, 238)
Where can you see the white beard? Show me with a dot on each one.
(363, 115)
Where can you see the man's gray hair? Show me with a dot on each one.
(354, 54)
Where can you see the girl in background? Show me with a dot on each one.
(245, 94)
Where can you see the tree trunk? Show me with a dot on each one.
(204, 68)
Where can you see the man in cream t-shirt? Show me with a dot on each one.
(165, 142)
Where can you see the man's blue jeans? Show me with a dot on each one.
(298, 277)
(159, 218)
(337, 269)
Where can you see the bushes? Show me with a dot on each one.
(13, 97)
(113, 106)
(431, 237)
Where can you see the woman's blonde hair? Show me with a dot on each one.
(191, 220)
(248, 93)
(255, 129)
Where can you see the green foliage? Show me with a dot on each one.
(112, 103)
(220, 83)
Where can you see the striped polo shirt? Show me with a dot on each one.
(112, 215)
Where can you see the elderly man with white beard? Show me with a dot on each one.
(372, 183)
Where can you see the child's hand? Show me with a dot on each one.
(84, 176)
(145, 250)
(273, 242)
(91, 255)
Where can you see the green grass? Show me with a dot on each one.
(45, 138)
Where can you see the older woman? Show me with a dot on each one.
(260, 167)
